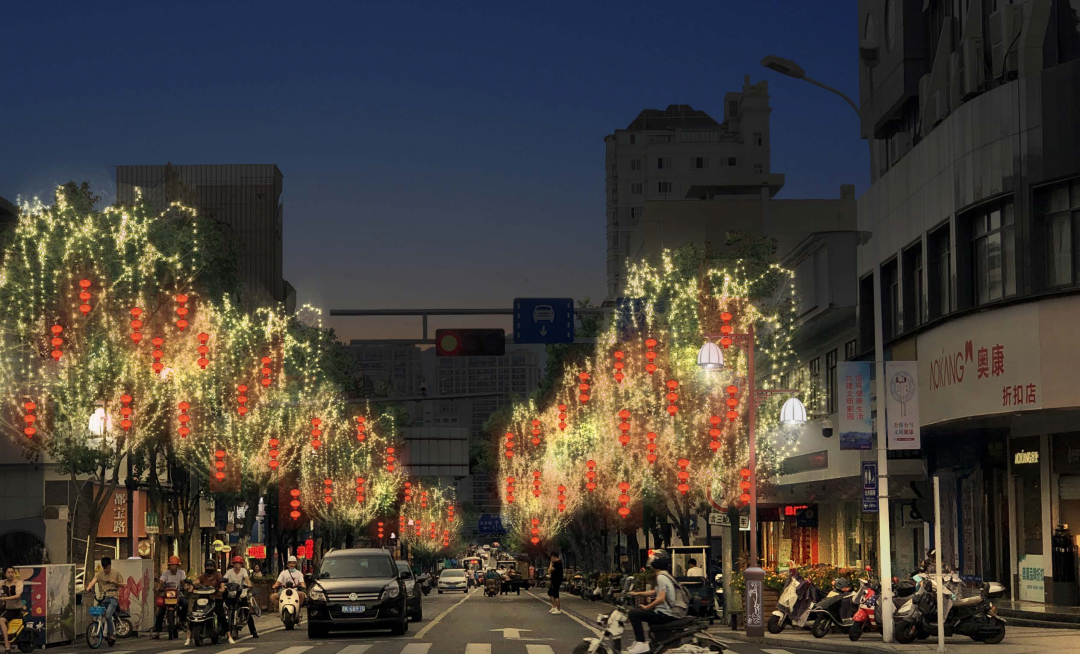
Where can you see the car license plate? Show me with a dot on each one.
(353, 608)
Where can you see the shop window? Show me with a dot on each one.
(851, 350)
(1057, 209)
(939, 273)
(993, 253)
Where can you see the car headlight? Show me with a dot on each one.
(392, 591)
(317, 594)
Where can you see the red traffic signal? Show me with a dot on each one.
(470, 342)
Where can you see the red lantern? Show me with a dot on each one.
(265, 381)
(619, 365)
(182, 311)
(390, 458)
(650, 356)
(536, 483)
(220, 464)
(184, 418)
(744, 485)
(360, 427)
(726, 330)
(274, 453)
(590, 485)
(242, 399)
(315, 433)
(408, 492)
(732, 402)
(84, 296)
(651, 447)
(328, 490)
(624, 427)
(561, 497)
(157, 353)
(423, 500)
(535, 432)
(583, 387)
(509, 445)
(126, 412)
(203, 350)
(510, 490)
(30, 418)
(714, 433)
(684, 476)
(295, 504)
(360, 490)
(56, 342)
(562, 417)
(136, 324)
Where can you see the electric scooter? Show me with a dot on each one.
(289, 606)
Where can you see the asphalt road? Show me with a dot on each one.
(453, 624)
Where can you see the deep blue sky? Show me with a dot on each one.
(432, 156)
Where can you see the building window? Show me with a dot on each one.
(635, 164)
(663, 187)
(732, 161)
(758, 169)
(994, 253)
(1058, 207)
(701, 162)
(633, 139)
(830, 381)
(635, 215)
(733, 109)
(635, 188)
(851, 350)
(758, 139)
(815, 367)
(914, 296)
(663, 162)
(939, 272)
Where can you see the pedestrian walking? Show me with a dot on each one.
(555, 578)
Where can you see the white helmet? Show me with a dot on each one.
(292, 559)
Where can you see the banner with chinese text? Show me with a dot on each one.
(902, 405)
(856, 428)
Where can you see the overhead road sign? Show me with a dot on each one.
(543, 320)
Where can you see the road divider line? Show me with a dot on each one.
(428, 626)
(568, 614)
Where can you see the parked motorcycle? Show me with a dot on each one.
(975, 617)
(796, 600)
(865, 618)
(202, 618)
(718, 594)
(687, 634)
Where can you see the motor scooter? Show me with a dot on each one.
(21, 634)
(975, 617)
(203, 620)
(718, 594)
(289, 606)
(793, 607)
(687, 635)
(865, 617)
(835, 610)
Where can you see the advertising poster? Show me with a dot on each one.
(1032, 572)
(856, 429)
(49, 596)
(902, 404)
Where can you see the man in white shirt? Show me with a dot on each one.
(238, 574)
(289, 574)
(695, 570)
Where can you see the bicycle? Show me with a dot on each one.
(98, 627)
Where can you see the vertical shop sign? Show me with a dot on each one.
(1032, 572)
(856, 428)
(869, 487)
(902, 404)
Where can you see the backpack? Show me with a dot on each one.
(680, 604)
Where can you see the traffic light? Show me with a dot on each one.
(923, 507)
(470, 342)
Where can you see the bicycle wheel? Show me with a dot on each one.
(95, 634)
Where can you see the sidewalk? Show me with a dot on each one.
(1018, 640)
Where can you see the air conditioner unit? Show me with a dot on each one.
(1005, 26)
(971, 66)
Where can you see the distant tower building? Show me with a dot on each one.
(682, 153)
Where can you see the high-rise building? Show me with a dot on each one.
(388, 370)
(681, 153)
(244, 199)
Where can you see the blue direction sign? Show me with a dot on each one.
(490, 524)
(869, 487)
(543, 320)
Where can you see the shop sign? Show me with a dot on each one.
(152, 526)
(807, 516)
(983, 364)
(719, 519)
(1032, 574)
(1024, 458)
(256, 551)
(856, 428)
(869, 487)
(114, 519)
(902, 405)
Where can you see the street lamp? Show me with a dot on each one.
(870, 55)
(793, 412)
(99, 422)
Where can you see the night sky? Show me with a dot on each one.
(433, 156)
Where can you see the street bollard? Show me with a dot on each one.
(755, 609)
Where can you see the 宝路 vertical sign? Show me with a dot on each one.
(902, 404)
(856, 428)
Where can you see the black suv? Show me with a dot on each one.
(357, 589)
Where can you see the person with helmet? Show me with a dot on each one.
(171, 577)
(212, 579)
(238, 574)
(289, 574)
(657, 612)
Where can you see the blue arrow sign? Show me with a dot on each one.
(543, 320)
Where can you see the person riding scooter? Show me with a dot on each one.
(661, 610)
(212, 579)
(171, 577)
(238, 574)
(289, 574)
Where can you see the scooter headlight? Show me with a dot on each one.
(317, 594)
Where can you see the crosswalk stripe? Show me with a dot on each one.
(775, 651)
(171, 651)
(354, 649)
(416, 648)
(539, 649)
(296, 649)
(235, 650)
(478, 648)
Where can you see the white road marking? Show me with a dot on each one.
(478, 648)
(177, 651)
(235, 650)
(354, 649)
(775, 651)
(723, 641)
(567, 614)
(539, 649)
(416, 648)
(296, 649)
(428, 626)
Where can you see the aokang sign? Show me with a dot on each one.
(983, 364)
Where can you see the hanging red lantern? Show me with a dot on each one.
(536, 483)
(266, 361)
(619, 365)
(57, 342)
(561, 497)
(274, 453)
(242, 399)
(408, 491)
(624, 427)
(203, 350)
(509, 445)
(126, 411)
(30, 418)
(684, 476)
(562, 417)
(220, 464)
(590, 476)
(651, 447)
(732, 402)
(390, 458)
(624, 499)
(510, 490)
(136, 324)
(650, 355)
(315, 433)
(84, 296)
(182, 311)
(294, 503)
(380, 531)
(450, 514)
(360, 490)
(184, 418)
(535, 432)
(583, 387)
(535, 531)
(328, 490)
(423, 499)
(360, 427)
(157, 342)
(744, 486)
(672, 397)
(726, 329)
(714, 433)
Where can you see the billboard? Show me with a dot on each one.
(902, 405)
(856, 427)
